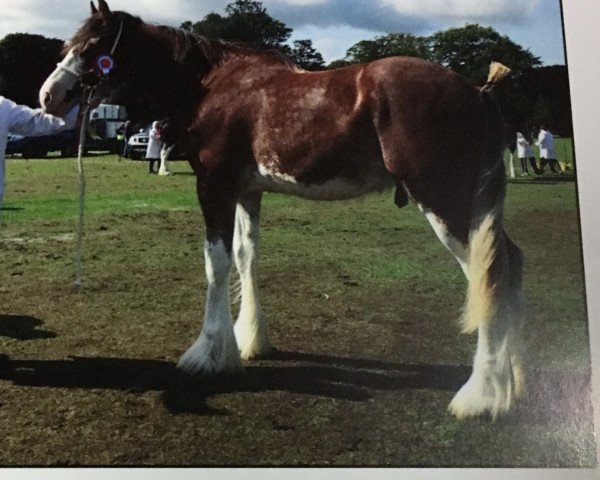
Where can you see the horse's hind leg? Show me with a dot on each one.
(473, 232)
(452, 243)
(494, 308)
(250, 328)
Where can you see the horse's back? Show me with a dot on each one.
(395, 118)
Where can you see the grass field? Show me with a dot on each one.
(362, 302)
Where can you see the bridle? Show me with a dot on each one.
(94, 77)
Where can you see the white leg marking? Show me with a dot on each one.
(495, 382)
(215, 351)
(250, 328)
(451, 243)
(495, 308)
(164, 156)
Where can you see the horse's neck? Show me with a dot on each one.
(173, 78)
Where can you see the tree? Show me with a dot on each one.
(469, 50)
(305, 55)
(25, 63)
(338, 64)
(246, 21)
(547, 88)
(392, 44)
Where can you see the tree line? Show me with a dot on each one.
(534, 95)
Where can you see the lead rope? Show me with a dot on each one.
(79, 233)
(82, 132)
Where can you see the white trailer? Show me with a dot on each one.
(105, 119)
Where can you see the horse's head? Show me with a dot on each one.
(91, 59)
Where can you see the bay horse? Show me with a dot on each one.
(255, 122)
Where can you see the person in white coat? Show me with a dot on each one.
(525, 153)
(154, 146)
(545, 141)
(23, 120)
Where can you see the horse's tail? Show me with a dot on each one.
(487, 271)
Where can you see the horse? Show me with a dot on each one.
(255, 123)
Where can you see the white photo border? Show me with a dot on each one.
(581, 25)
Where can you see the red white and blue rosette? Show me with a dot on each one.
(105, 64)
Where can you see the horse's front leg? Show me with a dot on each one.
(215, 351)
(250, 327)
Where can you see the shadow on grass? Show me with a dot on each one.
(555, 397)
(22, 327)
(343, 378)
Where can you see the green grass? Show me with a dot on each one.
(362, 301)
(48, 189)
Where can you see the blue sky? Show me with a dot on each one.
(333, 25)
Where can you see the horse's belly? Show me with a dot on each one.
(338, 188)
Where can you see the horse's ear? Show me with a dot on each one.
(103, 6)
(94, 9)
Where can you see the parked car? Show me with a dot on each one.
(138, 143)
(31, 147)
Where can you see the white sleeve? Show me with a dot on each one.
(26, 121)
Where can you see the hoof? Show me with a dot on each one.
(256, 354)
(468, 403)
(252, 344)
(206, 358)
(480, 396)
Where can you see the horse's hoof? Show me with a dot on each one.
(252, 340)
(478, 397)
(258, 354)
(210, 359)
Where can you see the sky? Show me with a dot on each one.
(332, 25)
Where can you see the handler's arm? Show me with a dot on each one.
(27, 121)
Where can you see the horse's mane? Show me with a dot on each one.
(186, 44)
